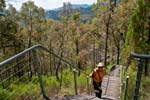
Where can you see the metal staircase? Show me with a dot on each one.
(27, 66)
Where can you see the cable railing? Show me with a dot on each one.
(18, 69)
(26, 70)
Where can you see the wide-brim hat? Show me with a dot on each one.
(100, 64)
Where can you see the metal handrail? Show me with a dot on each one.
(2, 14)
(33, 49)
(143, 56)
(38, 46)
(140, 58)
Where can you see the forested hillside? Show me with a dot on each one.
(108, 31)
(86, 12)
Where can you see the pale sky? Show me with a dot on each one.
(50, 4)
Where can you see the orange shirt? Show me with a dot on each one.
(97, 74)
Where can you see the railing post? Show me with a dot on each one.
(37, 66)
(88, 92)
(122, 90)
(75, 81)
(121, 81)
(107, 83)
(138, 80)
(126, 88)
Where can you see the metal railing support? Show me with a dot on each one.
(121, 83)
(107, 83)
(140, 58)
(126, 88)
(37, 66)
(88, 91)
(138, 80)
(75, 81)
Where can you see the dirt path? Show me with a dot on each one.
(110, 86)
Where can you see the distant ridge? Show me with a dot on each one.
(85, 12)
(74, 6)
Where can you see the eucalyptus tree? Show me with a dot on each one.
(95, 29)
(65, 16)
(76, 37)
(8, 30)
(97, 40)
(66, 11)
(28, 14)
(31, 17)
(112, 25)
(104, 10)
(119, 26)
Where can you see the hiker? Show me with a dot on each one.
(97, 76)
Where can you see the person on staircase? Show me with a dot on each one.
(97, 75)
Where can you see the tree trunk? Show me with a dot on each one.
(29, 45)
(19, 70)
(61, 55)
(106, 39)
(146, 60)
(3, 47)
(58, 66)
(94, 54)
(77, 53)
(50, 62)
(118, 55)
(117, 44)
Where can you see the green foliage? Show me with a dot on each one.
(76, 16)
(137, 40)
(131, 86)
(144, 87)
(2, 5)
(50, 82)
(81, 42)
(4, 93)
(67, 77)
(31, 89)
(137, 36)
(18, 90)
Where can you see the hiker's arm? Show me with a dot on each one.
(91, 74)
